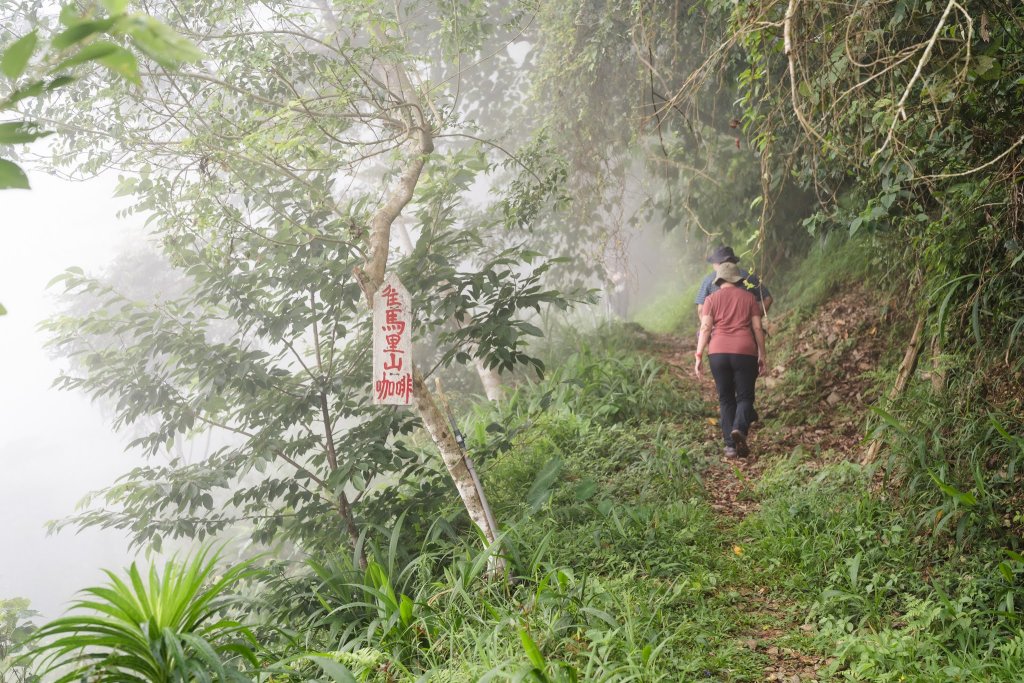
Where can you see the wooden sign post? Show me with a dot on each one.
(392, 343)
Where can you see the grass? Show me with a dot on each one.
(619, 569)
(834, 263)
(618, 566)
(885, 605)
(671, 311)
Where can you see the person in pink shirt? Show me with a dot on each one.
(730, 329)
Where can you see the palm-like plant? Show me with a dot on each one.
(169, 629)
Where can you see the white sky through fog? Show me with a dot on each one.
(54, 446)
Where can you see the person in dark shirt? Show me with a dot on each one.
(735, 351)
(722, 255)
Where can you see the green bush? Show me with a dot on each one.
(158, 628)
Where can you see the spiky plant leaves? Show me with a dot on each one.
(167, 628)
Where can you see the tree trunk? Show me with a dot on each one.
(491, 379)
(451, 453)
(371, 279)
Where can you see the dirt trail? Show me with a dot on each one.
(814, 397)
(831, 435)
(728, 484)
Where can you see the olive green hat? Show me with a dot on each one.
(727, 272)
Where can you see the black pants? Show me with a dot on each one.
(734, 375)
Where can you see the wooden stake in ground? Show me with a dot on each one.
(902, 378)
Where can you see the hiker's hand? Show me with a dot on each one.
(762, 365)
(697, 366)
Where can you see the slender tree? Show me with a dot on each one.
(273, 174)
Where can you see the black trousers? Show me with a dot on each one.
(735, 375)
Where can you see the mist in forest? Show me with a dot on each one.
(58, 446)
(54, 446)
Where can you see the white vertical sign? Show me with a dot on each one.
(392, 343)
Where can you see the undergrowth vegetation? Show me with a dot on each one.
(890, 600)
(907, 567)
(615, 565)
(618, 568)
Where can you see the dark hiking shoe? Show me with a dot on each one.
(730, 452)
(740, 440)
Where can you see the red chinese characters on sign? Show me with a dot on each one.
(392, 344)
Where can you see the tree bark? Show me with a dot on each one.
(452, 455)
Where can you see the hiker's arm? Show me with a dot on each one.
(759, 338)
(702, 341)
(705, 334)
(700, 309)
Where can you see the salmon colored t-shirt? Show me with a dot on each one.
(731, 309)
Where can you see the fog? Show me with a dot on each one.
(54, 446)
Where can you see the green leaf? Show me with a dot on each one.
(12, 177)
(987, 68)
(124, 64)
(952, 286)
(79, 32)
(532, 651)
(91, 52)
(33, 89)
(18, 132)
(530, 329)
(336, 671)
(3, 311)
(58, 82)
(890, 420)
(405, 608)
(69, 15)
(545, 479)
(17, 54)
(963, 497)
(585, 490)
(853, 568)
(115, 6)
(158, 41)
